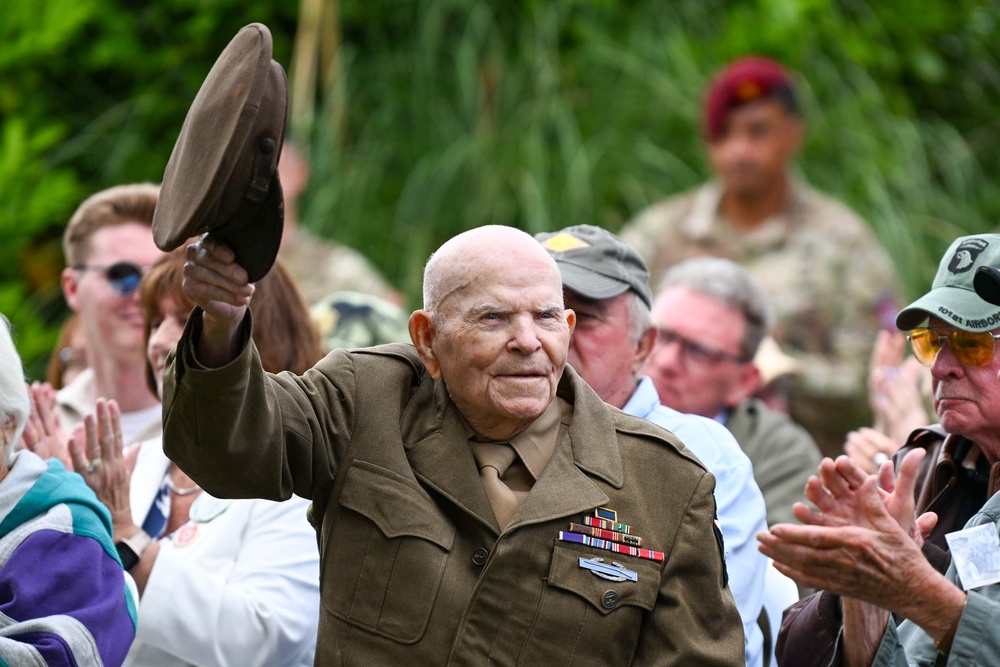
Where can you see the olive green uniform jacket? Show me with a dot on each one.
(783, 455)
(414, 570)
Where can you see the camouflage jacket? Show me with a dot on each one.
(831, 284)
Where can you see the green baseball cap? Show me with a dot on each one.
(953, 297)
(597, 264)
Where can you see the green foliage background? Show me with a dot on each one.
(441, 115)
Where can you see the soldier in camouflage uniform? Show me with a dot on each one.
(831, 284)
(321, 266)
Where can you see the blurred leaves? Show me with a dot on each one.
(441, 115)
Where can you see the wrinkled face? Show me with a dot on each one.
(967, 398)
(500, 338)
(601, 350)
(164, 331)
(112, 322)
(694, 364)
(750, 154)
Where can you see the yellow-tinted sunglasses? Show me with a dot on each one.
(970, 349)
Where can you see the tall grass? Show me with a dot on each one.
(545, 114)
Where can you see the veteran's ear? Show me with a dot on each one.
(421, 327)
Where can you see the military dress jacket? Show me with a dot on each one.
(414, 569)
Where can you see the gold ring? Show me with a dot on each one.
(94, 464)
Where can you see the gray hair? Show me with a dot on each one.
(640, 317)
(432, 292)
(15, 404)
(730, 283)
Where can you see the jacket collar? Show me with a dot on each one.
(435, 438)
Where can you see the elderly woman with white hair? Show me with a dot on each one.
(63, 597)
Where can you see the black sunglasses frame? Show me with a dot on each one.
(123, 277)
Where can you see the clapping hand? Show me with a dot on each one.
(859, 541)
(97, 453)
(43, 433)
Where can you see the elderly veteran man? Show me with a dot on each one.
(712, 316)
(831, 283)
(605, 282)
(868, 549)
(457, 486)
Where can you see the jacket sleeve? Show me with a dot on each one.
(203, 610)
(695, 620)
(44, 621)
(809, 631)
(283, 433)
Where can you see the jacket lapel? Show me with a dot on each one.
(436, 437)
(436, 442)
(588, 449)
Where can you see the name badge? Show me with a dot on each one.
(976, 554)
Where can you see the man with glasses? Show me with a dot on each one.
(954, 332)
(831, 283)
(711, 316)
(605, 282)
(108, 243)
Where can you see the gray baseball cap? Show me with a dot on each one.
(596, 264)
(953, 297)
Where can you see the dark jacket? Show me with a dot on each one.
(810, 628)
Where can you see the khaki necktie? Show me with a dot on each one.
(500, 470)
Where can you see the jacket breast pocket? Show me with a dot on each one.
(386, 554)
(578, 604)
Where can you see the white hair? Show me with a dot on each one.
(15, 404)
(640, 317)
(726, 281)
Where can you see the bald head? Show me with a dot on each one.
(494, 328)
(466, 255)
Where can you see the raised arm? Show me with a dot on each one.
(219, 286)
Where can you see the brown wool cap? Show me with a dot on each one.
(222, 174)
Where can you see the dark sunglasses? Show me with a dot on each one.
(968, 348)
(124, 277)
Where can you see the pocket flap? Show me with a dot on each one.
(566, 573)
(398, 506)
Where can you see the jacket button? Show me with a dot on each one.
(609, 600)
(479, 556)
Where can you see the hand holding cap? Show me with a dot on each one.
(222, 174)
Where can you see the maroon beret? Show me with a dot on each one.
(742, 81)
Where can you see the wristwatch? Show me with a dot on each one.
(130, 550)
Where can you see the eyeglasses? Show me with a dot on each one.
(696, 353)
(970, 349)
(124, 277)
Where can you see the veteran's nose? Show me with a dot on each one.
(524, 335)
